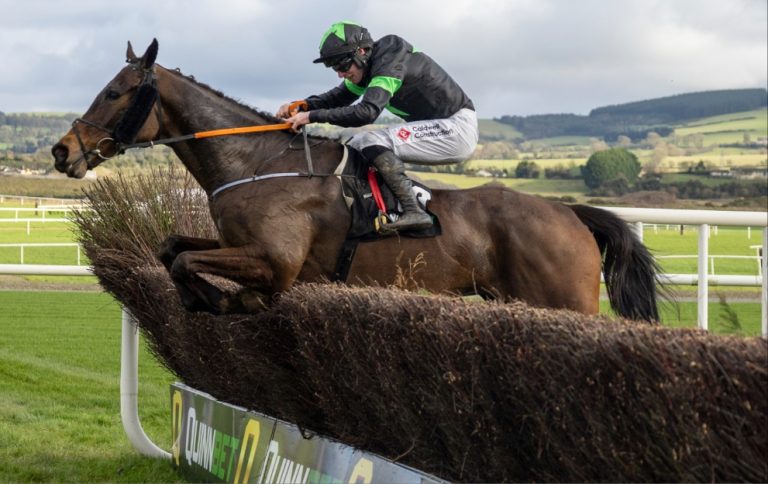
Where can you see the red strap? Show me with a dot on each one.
(376, 191)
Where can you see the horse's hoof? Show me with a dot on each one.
(244, 302)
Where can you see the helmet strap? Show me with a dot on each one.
(361, 60)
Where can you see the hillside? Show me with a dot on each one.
(636, 119)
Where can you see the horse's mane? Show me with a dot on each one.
(267, 116)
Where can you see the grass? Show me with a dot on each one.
(39, 233)
(666, 240)
(494, 129)
(43, 187)
(60, 397)
(539, 186)
(728, 128)
(685, 315)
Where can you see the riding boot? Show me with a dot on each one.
(393, 171)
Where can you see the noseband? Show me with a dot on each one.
(129, 124)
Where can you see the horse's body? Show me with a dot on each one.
(495, 242)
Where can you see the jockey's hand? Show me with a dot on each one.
(283, 111)
(288, 109)
(298, 120)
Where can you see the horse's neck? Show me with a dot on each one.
(190, 108)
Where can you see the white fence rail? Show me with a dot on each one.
(705, 218)
(43, 211)
(29, 220)
(23, 246)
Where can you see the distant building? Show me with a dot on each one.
(741, 173)
(750, 173)
(721, 173)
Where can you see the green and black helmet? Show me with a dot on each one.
(339, 45)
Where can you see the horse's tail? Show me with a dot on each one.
(628, 267)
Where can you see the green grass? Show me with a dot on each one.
(685, 315)
(60, 397)
(542, 163)
(538, 186)
(496, 130)
(666, 240)
(729, 128)
(40, 232)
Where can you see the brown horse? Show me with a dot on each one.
(290, 227)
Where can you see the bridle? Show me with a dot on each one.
(141, 107)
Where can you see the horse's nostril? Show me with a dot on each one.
(60, 153)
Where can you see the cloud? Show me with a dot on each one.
(511, 56)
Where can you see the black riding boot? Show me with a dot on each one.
(393, 171)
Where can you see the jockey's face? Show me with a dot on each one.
(354, 73)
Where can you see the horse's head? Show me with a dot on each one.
(119, 115)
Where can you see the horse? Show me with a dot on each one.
(281, 219)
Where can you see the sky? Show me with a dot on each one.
(512, 57)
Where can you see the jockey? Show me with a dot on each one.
(441, 124)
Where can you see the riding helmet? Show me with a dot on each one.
(342, 41)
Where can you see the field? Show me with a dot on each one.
(728, 128)
(60, 396)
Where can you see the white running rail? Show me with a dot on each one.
(705, 218)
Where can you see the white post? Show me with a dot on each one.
(21, 254)
(129, 391)
(639, 230)
(765, 284)
(703, 293)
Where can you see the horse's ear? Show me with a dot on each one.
(130, 56)
(148, 59)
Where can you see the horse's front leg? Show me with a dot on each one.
(243, 265)
(175, 244)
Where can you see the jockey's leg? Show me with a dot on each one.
(392, 170)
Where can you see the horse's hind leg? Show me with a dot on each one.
(175, 244)
(236, 264)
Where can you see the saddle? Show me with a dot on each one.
(372, 204)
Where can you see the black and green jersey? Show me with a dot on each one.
(406, 82)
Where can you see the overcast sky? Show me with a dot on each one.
(514, 57)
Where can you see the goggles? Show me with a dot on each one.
(342, 65)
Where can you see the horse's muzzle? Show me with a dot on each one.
(73, 169)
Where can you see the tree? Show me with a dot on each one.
(609, 165)
(653, 138)
(527, 169)
(623, 141)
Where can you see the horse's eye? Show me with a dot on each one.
(112, 94)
